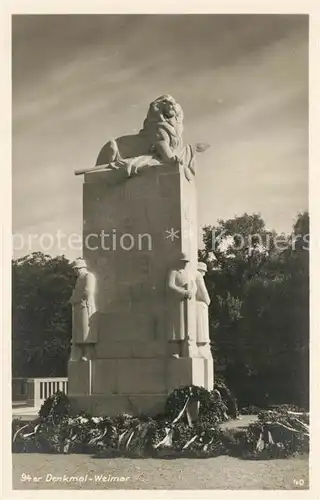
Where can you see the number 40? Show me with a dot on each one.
(299, 482)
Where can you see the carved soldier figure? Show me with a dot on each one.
(182, 289)
(202, 301)
(84, 331)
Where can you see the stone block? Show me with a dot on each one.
(128, 376)
(110, 405)
(79, 377)
(189, 371)
(105, 376)
(141, 376)
(208, 374)
(132, 349)
(135, 385)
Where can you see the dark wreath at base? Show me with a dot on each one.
(190, 426)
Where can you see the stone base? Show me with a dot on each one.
(79, 377)
(189, 371)
(114, 404)
(135, 386)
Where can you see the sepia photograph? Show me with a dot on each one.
(160, 252)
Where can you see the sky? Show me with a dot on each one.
(79, 80)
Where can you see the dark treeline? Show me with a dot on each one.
(259, 314)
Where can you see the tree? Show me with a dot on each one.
(41, 315)
(258, 281)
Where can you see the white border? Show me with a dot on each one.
(169, 7)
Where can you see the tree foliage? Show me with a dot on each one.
(259, 314)
(41, 315)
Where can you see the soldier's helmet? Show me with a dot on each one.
(202, 266)
(184, 257)
(79, 264)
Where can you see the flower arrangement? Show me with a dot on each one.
(189, 426)
(278, 433)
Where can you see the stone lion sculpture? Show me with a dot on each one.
(159, 141)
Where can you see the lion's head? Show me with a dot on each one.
(164, 110)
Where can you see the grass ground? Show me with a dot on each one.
(223, 472)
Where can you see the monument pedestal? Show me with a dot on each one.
(134, 229)
(133, 385)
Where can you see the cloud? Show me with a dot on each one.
(242, 82)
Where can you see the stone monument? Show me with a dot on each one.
(182, 286)
(84, 331)
(140, 242)
(203, 302)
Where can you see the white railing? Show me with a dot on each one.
(39, 389)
